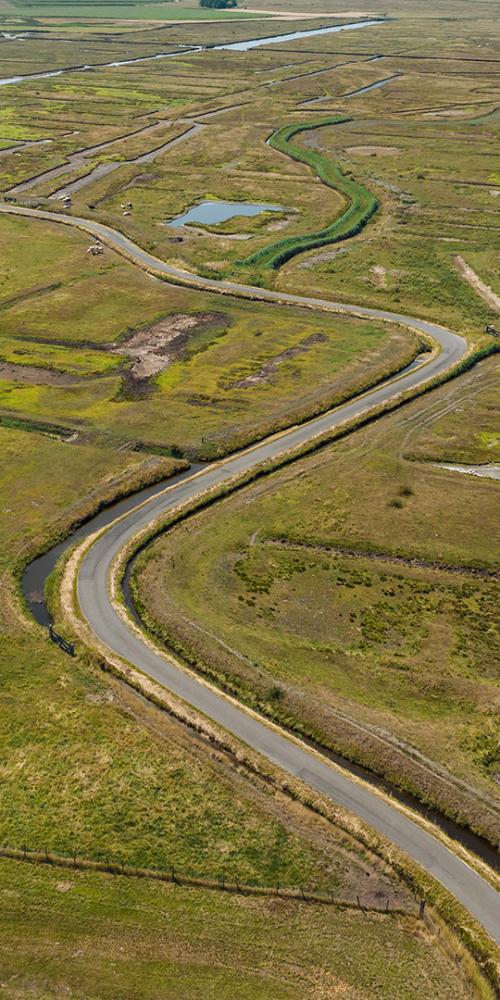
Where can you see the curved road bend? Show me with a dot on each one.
(474, 892)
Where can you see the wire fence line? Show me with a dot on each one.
(174, 876)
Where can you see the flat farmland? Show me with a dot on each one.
(88, 765)
(415, 109)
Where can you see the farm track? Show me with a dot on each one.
(121, 637)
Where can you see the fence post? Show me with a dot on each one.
(387, 905)
(421, 908)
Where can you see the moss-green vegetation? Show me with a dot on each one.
(361, 203)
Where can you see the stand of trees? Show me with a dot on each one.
(219, 4)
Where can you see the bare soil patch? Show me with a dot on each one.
(36, 376)
(154, 348)
(379, 276)
(322, 258)
(267, 370)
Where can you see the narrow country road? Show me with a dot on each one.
(474, 892)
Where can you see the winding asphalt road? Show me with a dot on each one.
(477, 895)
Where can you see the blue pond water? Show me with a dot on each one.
(211, 213)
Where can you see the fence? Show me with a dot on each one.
(68, 647)
(175, 877)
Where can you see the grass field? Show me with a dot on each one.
(240, 370)
(399, 145)
(138, 10)
(99, 936)
(333, 585)
(355, 584)
(87, 764)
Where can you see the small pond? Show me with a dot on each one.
(211, 213)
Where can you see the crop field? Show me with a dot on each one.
(351, 596)
(336, 586)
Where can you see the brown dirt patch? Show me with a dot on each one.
(267, 370)
(154, 348)
(64, 886)
(29, 375)
(450, 113)
(379, 276)
(373, 150)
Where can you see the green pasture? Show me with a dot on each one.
(140, 939)
(138, 10)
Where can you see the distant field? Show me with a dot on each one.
(331, 585)
(102, 937)
(138, 10)
(399, 146)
